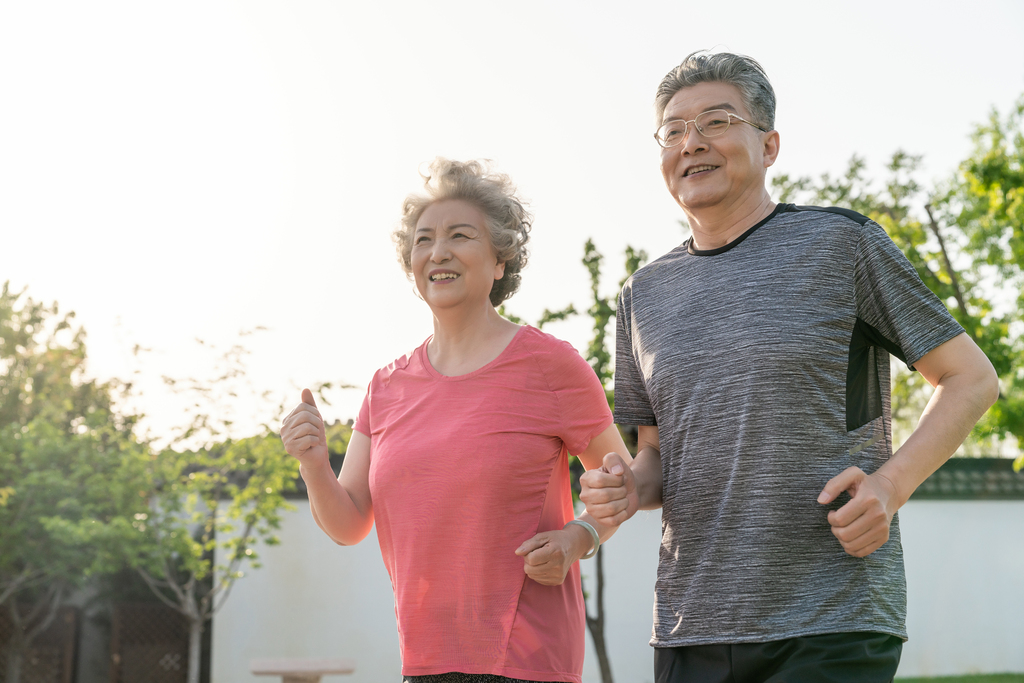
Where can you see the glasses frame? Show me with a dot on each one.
(686, 127)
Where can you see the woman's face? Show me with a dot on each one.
(453, 261)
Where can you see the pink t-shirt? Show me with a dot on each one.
(462, 471)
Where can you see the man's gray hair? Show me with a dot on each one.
(722, 67)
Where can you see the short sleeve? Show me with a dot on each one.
(893, 300)
(363, 421)
(582, 402)
(632, 403)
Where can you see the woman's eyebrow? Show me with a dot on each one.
(429, 228)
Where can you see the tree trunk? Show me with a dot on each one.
(596, 624)
(15, 653)
(24, 629)
(195, 648)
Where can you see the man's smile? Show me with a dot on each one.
(693, 170)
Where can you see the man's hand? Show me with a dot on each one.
(548, 555)
(610, 491)
(303, 432)
(862, 525)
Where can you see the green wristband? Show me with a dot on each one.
(593, 535)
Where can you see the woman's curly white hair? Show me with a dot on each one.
(508, 221)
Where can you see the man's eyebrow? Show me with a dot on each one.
(724, 105)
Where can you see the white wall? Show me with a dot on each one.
(965, 572)
(311, 598)
(965, 587)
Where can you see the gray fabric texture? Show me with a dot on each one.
(740, 356)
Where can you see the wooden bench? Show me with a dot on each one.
(301, 670)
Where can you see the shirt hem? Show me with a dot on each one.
(507, 672)
(728, 639)
(635, 420)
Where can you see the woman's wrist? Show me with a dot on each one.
(316, 470)
(586, 539)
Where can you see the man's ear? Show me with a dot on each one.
(771, 147)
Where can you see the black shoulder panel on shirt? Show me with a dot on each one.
(849, 213)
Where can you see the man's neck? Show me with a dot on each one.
(717, 226)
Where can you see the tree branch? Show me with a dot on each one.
(54, 596)
(957, 291)
(159, 594)
(169, 574)
(16, 583)
(227, 583)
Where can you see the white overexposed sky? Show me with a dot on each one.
(192, 169)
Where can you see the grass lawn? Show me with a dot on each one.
(978, 678)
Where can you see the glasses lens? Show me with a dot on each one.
(671, 134)
(712, 123)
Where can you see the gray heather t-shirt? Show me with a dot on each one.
(765, 366)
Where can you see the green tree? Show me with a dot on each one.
(986, 203)
(964, 238)
(598, 354)
(70, 464)
(226, 494)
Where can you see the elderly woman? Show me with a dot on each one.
(460, 454)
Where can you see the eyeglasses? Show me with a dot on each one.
(710, 124)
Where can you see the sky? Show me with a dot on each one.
(191, 170)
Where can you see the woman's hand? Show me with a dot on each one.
(303, 433)
(548, 555)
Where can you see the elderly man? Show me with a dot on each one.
(754, 359)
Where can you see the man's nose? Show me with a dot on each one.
(693, 140)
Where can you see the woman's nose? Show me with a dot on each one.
(440, 251)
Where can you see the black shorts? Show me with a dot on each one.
(830, 658)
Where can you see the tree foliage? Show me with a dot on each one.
(987, 205)
(217, 501)
(70, 465)
(82, 496)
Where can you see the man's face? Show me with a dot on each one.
(719, 172)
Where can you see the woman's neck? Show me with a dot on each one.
(467, 340)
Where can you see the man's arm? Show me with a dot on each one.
(614, 492)
(647, 468)
(966, 386)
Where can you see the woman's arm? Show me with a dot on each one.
(548, 555)
(341, 506)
